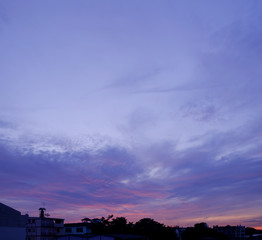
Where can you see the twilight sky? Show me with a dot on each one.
(137, 108)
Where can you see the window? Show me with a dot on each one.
(68, 230)
(79, 229)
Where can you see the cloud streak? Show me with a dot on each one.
(200, 182)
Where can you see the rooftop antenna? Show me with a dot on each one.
(42, 212)
(45, 214)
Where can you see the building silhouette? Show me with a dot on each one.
(12, 223)
(233, 232)
(43, 228)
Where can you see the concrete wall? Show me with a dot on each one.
(10, 217)
(97, 237)
(12, 233)
(102, 238)
(71, 238)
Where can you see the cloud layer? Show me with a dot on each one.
(217, 181)
(136, 109)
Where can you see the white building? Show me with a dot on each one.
(77, 228)
(90, 237)
(234, 232)
(103, 237)
(43, 228)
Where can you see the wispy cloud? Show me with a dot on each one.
(204, 180)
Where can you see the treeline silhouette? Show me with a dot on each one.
(151, 228)
(146, 227)
(252, 231)
(202, 231)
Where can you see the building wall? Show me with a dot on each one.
(97, 237)
(77, 230)
(12, 233)
(71, 238)
(43, 228)
(234, 232)
(102, 238)
(10, 217)
(12, 223)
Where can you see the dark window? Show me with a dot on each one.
(68, 230)
(79, 230)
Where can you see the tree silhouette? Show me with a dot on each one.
(145, 226)
(119, 225)
(86, 220)
(202, 231)
(154, 230)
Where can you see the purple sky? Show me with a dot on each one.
(132, 108)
